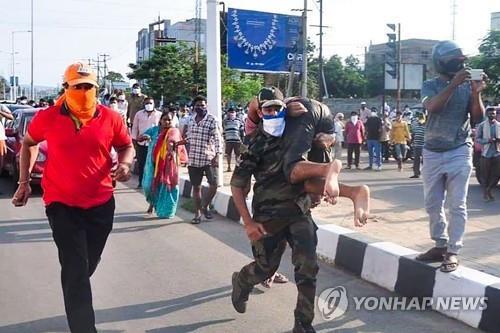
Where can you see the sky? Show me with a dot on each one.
(70, 30)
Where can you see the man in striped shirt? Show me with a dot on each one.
(418, 135)
(233, 132)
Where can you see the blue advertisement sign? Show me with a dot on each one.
(263, 42)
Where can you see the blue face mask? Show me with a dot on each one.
(274, 125)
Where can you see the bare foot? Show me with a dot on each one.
(331, 190)
(361, 201)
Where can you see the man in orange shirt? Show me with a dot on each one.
(77, 183)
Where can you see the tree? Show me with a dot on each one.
(114, 77)
(168, 73)
(489, 60)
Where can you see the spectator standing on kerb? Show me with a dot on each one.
(135, 103)
(144, 120)
(373, 131)
(385, 134)
(233, 134)
(400, 136)
(364, 113)
(451, 100)
(77, 183)
(418, 136)
(354, 134)
(488, 135)
(205, 145)
(339, 135)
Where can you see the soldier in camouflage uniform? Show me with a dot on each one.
(282, 208)
(281, 215)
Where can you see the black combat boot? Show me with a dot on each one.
(303, 328)
(239, 296)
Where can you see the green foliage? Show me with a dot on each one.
(114, 77)
(489, 60)
(171, 72)
(168, 73)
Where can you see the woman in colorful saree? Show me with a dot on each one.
(161, 172)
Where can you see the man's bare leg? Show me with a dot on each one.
(359, 195)
(305, 170)
(212, 190)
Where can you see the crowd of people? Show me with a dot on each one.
(290, 146)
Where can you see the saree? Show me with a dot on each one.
(161, 171)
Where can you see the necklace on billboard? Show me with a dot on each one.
(255, 49)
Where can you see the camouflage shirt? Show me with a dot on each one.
(276, 203)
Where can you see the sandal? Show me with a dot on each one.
(196, 220)
(208, 213)
(280, 278)
(433, 255)
(267, 283)
(450, 263)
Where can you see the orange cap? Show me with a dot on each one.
(80, 73)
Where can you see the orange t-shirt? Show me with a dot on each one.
(78, 168)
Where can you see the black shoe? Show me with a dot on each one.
(303, 328)
(239, 297)
(208, 213)
(367, 168)
(415, 176)
(348, 167)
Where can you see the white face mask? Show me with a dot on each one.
(114, 106)
(274, 125)
(121, 98)
(354, 119)
(136, 91)
(374, 114)
(149, 107)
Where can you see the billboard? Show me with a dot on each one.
(412, 77)
(263, 42)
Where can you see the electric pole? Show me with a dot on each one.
(323, 90)
(398, 78)
(304, 51)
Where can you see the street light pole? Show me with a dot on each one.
(14, 85)
(32, 86)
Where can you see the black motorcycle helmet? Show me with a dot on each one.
(447, 58)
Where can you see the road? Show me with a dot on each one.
(167, 276)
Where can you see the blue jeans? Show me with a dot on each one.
(374, 151)
(446, 177)
(400, 149)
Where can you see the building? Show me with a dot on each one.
(413, 51)
(181, 31)
(495, 21)
(186, 32)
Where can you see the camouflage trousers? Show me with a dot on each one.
(267, 252)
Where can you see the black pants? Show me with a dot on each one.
(385, 150)
(356, 148)
(142, 153)
(80, 236)
(417, 160)
(267, 252)
(490, 170)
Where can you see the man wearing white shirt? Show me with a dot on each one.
(143, 120)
